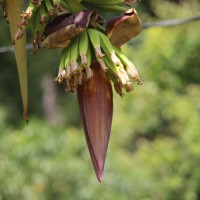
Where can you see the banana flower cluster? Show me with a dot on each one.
(91, 59)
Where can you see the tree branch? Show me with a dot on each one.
(9, 49)
(172, 22)
(166, 23)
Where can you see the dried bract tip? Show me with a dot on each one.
(69, 86)
(123, 77)
(84, 60)
(68, 71)
(128, 87)
(27, 15)
(18, 35)
(61, 76)
(58, 7)
(115, 59)
(43, 19)
(103, 65)
(74, 67)
(132, 72)
(118, 89)
(36, 41)
(99, 52)
(51, 12)
(88, 72)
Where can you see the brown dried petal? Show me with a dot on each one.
(63, 28)
(95, 100)
(123, 28)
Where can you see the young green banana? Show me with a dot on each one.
(119, 73)
(44, 15)
(95, 40)
(88, 70)
(85, 57)
(72, 6)
(38, 25)
(32, 7)
(50, 7)
(111, 66)
(83, 47)
(108, 49)
(57, 5)
(65, 5)
(74, 53)
(62, 72)
(26, 18)
(67, 62)
(129, 66)
(117, 85)
(124, 79)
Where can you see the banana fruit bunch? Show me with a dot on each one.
(107, 5)
(39, 13)
(88, 48)
(77, 34)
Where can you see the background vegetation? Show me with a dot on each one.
(154, 151)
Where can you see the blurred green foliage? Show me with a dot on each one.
(154, 151)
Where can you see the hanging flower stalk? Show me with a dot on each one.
(91, 58)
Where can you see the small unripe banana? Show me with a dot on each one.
(95, 40)
(74, 53)
(50, 7)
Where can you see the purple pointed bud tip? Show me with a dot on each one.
(100, 178)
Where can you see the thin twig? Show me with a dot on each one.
(11, 48)
(172, 22)
(166, 23)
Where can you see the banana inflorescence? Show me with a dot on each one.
(93, 45)
(40, 12)
(91, 57)
(81, 41)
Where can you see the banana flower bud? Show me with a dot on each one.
(95, 100)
